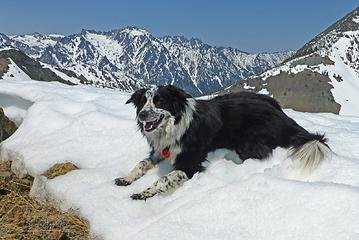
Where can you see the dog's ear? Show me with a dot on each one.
(178, 92)
(136, 97)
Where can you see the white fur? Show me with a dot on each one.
(167, 134)
(309, 156)
(186, 118)
(149, 96)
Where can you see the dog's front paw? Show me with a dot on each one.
(122, 182)
(141, 196)
(138, 196)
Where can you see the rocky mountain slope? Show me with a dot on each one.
(15, 64)
(130, 58)
(322, 76)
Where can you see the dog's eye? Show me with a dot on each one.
(156, 99)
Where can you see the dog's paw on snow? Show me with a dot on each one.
(121, 182)
(140, 196)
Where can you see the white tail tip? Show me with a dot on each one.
(308, 156)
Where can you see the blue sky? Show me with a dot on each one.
(253, 26)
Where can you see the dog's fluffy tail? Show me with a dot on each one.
(308, 150)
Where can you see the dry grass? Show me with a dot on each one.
(24, 218)
(59, 169)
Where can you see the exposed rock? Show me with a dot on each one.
(305, 91)
(4, 66)
(7, 127)
(312, 60)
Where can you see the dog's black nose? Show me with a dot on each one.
(143, 115)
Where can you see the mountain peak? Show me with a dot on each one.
(349, 22)
(84, 31)
(135, 31)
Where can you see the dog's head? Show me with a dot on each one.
(157, 107)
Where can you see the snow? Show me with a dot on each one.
(106, 46)
(246, 86)
(37, 42)
(14, 107)
(356, 19)
(5, 48)
(135, 32)
(263, 91)
(345, 92)
(56, 35)
(42, 41)
(95, 130)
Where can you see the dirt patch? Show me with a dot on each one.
(24, 218)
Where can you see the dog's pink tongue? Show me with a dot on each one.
(148, 125)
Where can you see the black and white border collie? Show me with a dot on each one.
(183, 130)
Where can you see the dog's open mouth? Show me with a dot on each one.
(152, 125)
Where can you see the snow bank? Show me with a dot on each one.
(14, 107)
(95, 130)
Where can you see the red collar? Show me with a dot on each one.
(165, 153)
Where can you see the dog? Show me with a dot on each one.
(183, 130)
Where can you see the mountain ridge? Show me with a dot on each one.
(131, 58)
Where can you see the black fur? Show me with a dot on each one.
(248, 123)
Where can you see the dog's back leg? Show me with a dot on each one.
(255, 150)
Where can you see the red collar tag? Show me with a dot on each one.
(166, 153)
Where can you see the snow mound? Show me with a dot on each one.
(95, 130)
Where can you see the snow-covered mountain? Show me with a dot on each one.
(322, 76)
(217, 67)
(37, 42)
(130, 58)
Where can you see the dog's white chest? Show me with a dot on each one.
(169, 153)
